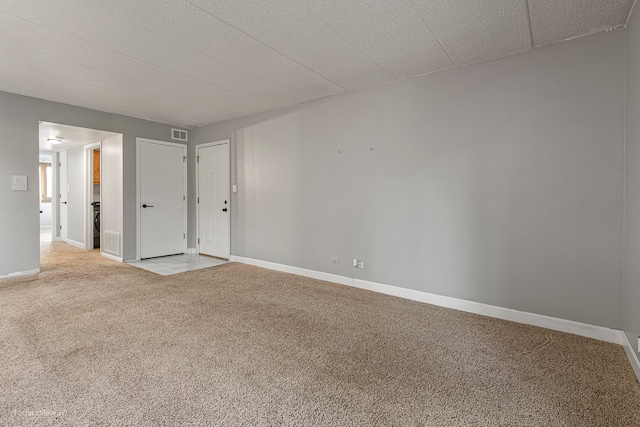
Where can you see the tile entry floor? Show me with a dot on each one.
(174, 264)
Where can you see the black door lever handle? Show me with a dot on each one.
(147, 206)
(224, 210)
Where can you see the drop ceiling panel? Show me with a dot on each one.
(555, 20)
(390, 33)
(55, 44)
(51, 80)
(96, 27)
(473, 30)
(194, 29)
(53, 66)
(287, 28)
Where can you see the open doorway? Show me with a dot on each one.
(94, 169)
(45, 168)
(79, 183)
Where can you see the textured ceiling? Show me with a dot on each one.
(195, 62)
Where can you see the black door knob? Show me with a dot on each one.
(64, 203)
(224, 210)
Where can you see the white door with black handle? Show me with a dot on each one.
(162, 210)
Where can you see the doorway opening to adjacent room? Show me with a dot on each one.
(73, 185)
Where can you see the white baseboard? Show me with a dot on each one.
(76, 244)
(632, 355)
(113, 257)
(556, 324)
(21, 273)
(328, 277)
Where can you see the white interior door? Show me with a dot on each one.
(162, 195)
(214, 204)
(64, 196)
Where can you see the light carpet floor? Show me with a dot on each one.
(96, 342)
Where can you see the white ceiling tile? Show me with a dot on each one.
(90, 59)
(288, 28)
(555, 20)
(69, 83)
(89, 24)
(196, 30)
(390, 33)
(476, 30)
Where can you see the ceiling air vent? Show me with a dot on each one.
(179, 135)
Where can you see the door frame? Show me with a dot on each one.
(88, 197)
(226, 142)
(59, 196)
(55, 196)
(139, 142)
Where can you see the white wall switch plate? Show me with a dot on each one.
(235, 188)
(19, 182)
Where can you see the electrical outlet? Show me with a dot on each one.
(638, 344)
(360, 264)
(335, 260)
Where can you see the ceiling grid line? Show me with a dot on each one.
(626, 21)
(133, 80)
(193, 50)
(526, 2)
(379, 66)
(270, 47)
(433, 32)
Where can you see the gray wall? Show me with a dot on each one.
(632, 184)
(499, 183)
(19, 222)
(111, 188)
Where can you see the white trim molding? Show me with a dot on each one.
(21, 273)
(554, 323)
(631, 354)
(569, 326)
(328, 277)
(113, 257)
(76, 244)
